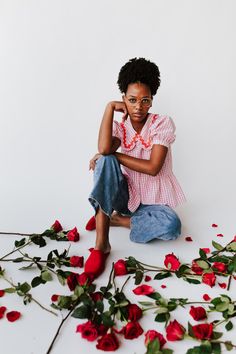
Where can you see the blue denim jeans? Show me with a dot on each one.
(110, 192)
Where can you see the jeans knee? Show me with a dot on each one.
(106, 159)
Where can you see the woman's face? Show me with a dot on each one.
(138, 100)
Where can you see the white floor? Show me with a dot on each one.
(33, 333)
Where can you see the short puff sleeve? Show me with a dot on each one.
(117, 130)
(163, 131)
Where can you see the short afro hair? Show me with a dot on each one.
(139, 70)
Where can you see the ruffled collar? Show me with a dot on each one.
(130, 136)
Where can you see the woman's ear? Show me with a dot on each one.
(123, 98)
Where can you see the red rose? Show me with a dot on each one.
(84, 279)
(151, 335)
(134, 312)
(198, 313)
(72, 281)
(96, 296)
(203, 331)
(132, 330)
(2, 311)
(171, 262)
(76, 261)
(56, 226)
(12, 316)
(2, 293)
(195, 268)
(214, 225)
(206, 297)
(88, 331)
(143, 290)
(206, 250)
(209, 279)
(108, 342)
(175, 331)
(147, 278)
(221, 267)
(73, 235)
(120, 267)
(54, 298)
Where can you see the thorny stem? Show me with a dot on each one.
(229, 281)
(125, 283)
(59, 328)
(15, 250)
(31, 297)
(14, 233)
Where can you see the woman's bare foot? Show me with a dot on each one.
(105, 248)
(120, 220)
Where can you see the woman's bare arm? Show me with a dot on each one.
(106, 143)
(151, 167)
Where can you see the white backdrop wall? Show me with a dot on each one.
(59, 62)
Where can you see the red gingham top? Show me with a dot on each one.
(143, 188)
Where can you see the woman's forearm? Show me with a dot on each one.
(139, 165)
(105, 131)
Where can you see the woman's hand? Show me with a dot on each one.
(92, 162)
(120, 106)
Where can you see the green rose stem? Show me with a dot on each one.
(31, 297)
(59, 328)
(15, 250)
(229, 281)
(14, 233)
(30, 259)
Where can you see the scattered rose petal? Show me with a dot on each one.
(2, 293)
(2, 311)
(206, 250)
(188, 238)
(214, 225)
(222, 285)
(54, 297)
(143, 290)
(163, 286)
(13, 316)
(234, 277)
(206, 297)
(147, 278)
(220, 235)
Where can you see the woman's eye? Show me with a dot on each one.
(132, 100)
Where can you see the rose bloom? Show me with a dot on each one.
(209, 279)
(88, 331)
(171, 262)
(198, 313)
(108, 342)
(196, 269)
(72, 281)
(84, 279)
(221, 267)
(96, 296)
(134, 312)
(206, 250)
(143, 290)
(151, 335)
(132, 330)
(175, 331)
(2, 311)
(73, 235)
(56, 226)
(120, 267)
(54, 297)
(203, 331)
(77, 261)
(2, 293)
(12, 316)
